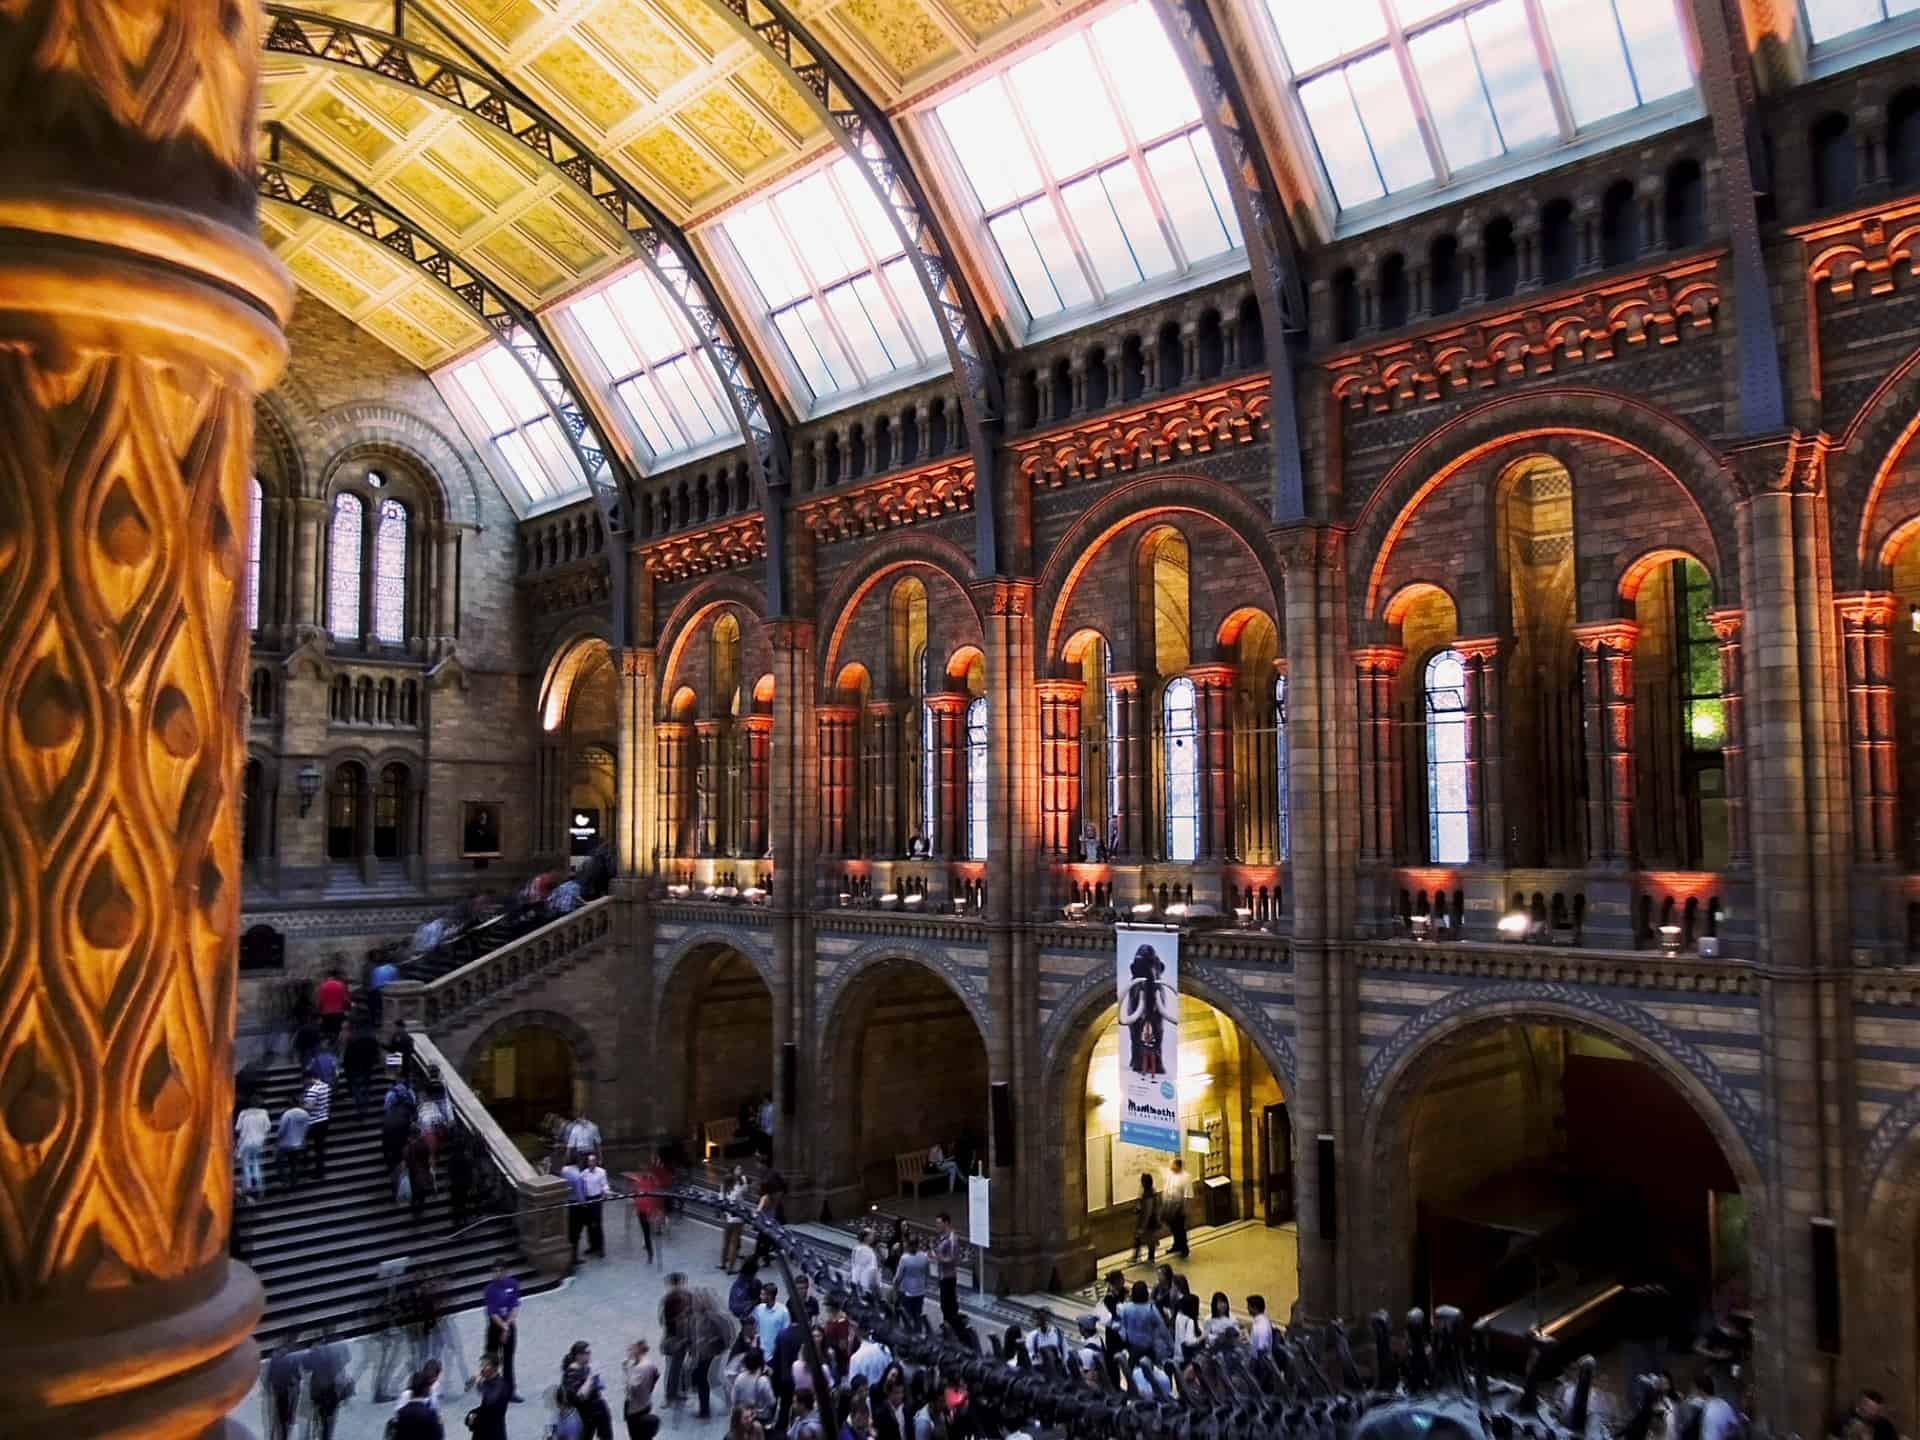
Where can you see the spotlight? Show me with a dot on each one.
(1670, 938)
(1513, 925)
(1143, 911)
(1076, 910)
(890, 901)
(1243, 915)
(913, 901)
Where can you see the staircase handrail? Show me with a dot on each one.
(423, 1003)
(539, 1198)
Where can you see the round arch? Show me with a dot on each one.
(687, 622)
(1862, 475)
(540, 1040)
(1886, 1285)
(390, 435)
(693, 1023)
(894, 554)
(710, 594)
(1140, 501)
(1647, 562)
(1410, 594)
(1672, 446)
(571, 657)
(1410, 1058)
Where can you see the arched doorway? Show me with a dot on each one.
(909, 1070)
(524, 1076)
(717, 1022)
(1546, 1173)
(1237, 1149)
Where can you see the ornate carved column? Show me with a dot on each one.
(759, 754)
(1864, 620)
(1486, 811)
(1060, 702)
(1607, 688)
(882, 771)
(139, 315)
(637, 805)
(837, 727)
(949, 709)
(1733, 746)
(674, 738)
(1213, 702)
(1375, 669)
(709, 757)
(1129, 740)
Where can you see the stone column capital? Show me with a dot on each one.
(672, 729)
(948, 702)
(1213, 672)
(1384, 659)
(1126, 682)
(1726, 623)
(834, 714)
(1615, 635)
(758, 724)
(1867, 607)
(1479, 647)
(1067, 692)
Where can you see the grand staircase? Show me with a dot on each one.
(320, 1248)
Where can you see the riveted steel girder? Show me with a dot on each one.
(866, 136)
(659, 243)
(355, 208)
(1271, 257)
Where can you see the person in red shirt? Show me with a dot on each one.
(333, 1000)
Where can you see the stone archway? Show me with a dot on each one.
(1883, 1316)
(529, 1065)
(715, 1040)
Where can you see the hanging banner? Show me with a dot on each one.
(1149, 972)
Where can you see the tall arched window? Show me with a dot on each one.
(343, 812)
(1446, 692)
(390, 574)
(929, 779)
(1283, 831)
(343, 568)
(977, 779)
(256, 509)
(390, 813)
(1182, 770)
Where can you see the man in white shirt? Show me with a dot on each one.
(593, 1189)
(583, 1136)
(870, 1361)
(1262, 1334)
(293, 1140)
(250, 1133)
(319, 1104)
(769, 1318)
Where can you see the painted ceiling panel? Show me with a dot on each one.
(510, 252)
(446, 207)
(442, 315)
(643, 43)
(406, 337)
(331, 117)
(724, 121)
(366, 263)
(699, 19)
(327, 282)
(559, 229)
(482, 165)
(663, 154)
(772, 89)
(589, 87)
(903, 35)
(985, 17)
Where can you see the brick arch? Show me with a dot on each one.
(692, 615)
(566, 662)
(864, 961)
(387, 429)
(1883, 1291)
(1863, 479)
(733, 589)
(896, 552)
(1664, 441)
(1141, 500)
(679, 981)
(278, 458)
(756, 948)
(579, 1041)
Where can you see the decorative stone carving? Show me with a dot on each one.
(728, 545)
(1194, 423)
(926, 493)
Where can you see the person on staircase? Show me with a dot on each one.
(359, 1058)
(333, 1000)
(419, 1172)
(318, 1098)
(292, 1142)
(396, 1122)
(250, 1130)
(400, 1043)
(593, 1192)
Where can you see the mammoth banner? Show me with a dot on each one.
(1149, 971)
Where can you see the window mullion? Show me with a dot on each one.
(1417, 98)
(1136, 156)
(1549, 66)
(819, 299)
(1051, 188)
(874, 264)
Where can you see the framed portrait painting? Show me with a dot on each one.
(479, 829)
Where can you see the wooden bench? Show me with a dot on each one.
(717, 1135)
(910, 1169)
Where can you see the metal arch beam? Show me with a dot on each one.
(866, 136)
(659, 243)
(1271, 256)
(511, 324)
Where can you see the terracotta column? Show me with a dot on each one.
(881, 766)
(636, 808)
(759, 753)
(1733, 746)
(1864, 620)
(674, 739)
(1486, 812)
(1129, 740)
(837, 724)
(1213, 705)
(1375, 669)
(139, 315)
(1607, 658)
(709, 750)
(946, 824)
(1060, 702)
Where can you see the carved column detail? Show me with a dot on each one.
(1060, 702)
(947, 823)
(1607, 680)
(1868, 642)
(1487, 812)
(710, 740)
(838, 724)
(1213, 703)
(759, 756)
(674, 739)
(1733, 748)
(882, 770)
(1130, 740)
(1375, 669)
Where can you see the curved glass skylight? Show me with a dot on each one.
(836, 282)
(1489, 79)
(1831, 19)
(1091, 166)
(514, 419)
(671, 393)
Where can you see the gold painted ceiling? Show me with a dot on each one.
(665, 92)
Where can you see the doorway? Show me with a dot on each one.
(1276, 1131)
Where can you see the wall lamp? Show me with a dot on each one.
(309, 787)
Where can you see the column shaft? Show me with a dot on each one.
(759, 755)
(1733, 745)
(837, 724)
(1130, 742)
(1869, 650)
(1487, 813)
(1607, 655)
(1060, 702)
(1213, 698)
(883, 828)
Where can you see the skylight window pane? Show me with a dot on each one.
(800, 327)
(1462, 118)
(636, 395)
(603, 333)
(522, 400)
(769, 260)
(1100, 234)
(1593, 67)
(1314, 33)
(1050, 239)
(980, 125)
(1129, 196)
(1029, 271)
(1510, 67)
(1412, 12)
(912, 300)
(1209, 163)
(1067, 108)
(556, 456)
(479, 390)
(1344, 151)
(1655, 46)
(817, 223)
(1145, 72)
(851, 316)
(638, 303)
(696, 415)
(525, 468)
(876, 226)
(1190, 205)
(1381, 98)
(1830, 18)
(885, 322)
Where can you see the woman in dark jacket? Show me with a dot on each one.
(490, 1417)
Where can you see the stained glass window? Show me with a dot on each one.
(669, 388)
(1446, 696)
(1403, 93)
(977, 779)
(1091, 165)
(255, 513)
(1706, 717)
(343, 568)
(514, 417)
(1830, 19)
(1283, 835)
(836, 282)
(1182, 741)
(390, 574)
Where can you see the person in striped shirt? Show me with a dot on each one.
(318, 1100)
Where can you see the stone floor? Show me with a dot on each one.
(1245, 1258)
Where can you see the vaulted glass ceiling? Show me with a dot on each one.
(1829, 20)
(504, 414)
